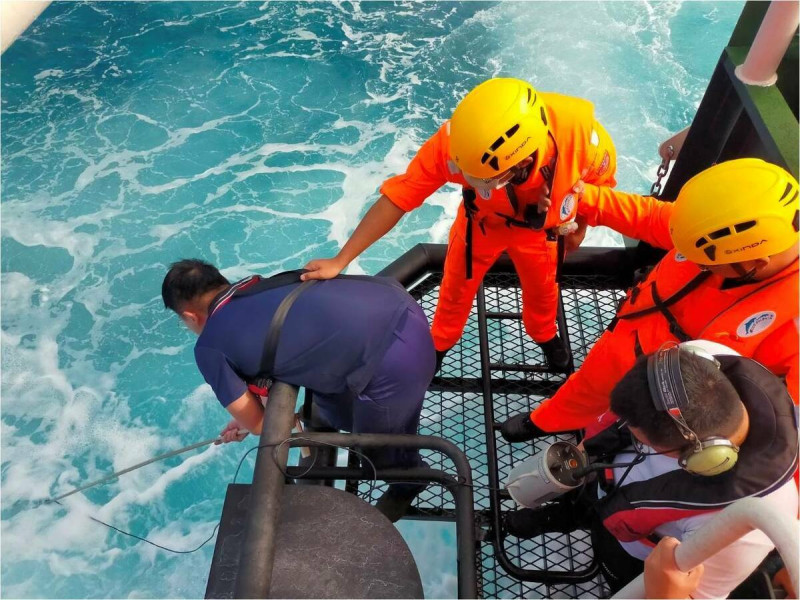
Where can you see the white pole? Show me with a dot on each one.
(740, 518)
(15, 17)
(770, 44)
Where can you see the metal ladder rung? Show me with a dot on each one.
(504, 315)
(523, 368)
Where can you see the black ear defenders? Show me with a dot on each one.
(710, 456)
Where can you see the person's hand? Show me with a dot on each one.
(544, 203)
(233, 432)
(575, 238)
(663, 578)
(579, 188)
(323, 268)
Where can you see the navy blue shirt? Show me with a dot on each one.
(333, 339)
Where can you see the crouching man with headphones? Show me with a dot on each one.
(691, 433)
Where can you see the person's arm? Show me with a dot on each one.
(601, 168)
(663, 578)
(232, 393)
(639, 217)
(426, 173)
(778, 352)
(378, 221)
(727, 568)
(247, 411)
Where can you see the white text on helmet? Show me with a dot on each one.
(518, 148)
(735, 250)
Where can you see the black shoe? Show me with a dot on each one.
(520, 428)
(440, 354)
(527, 523)
(396, 501)
(557, 353)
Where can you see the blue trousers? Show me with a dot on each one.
(392, 400)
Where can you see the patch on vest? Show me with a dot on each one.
(567, 204)
(755, 323)
(679, 257)
(604, 164)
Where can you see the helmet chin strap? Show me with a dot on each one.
(521, 175)
(745, 275)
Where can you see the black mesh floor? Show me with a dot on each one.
(454, 409)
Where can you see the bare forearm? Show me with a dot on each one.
(379, 220)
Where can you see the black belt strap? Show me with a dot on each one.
(470, 208)
(661, 306)
(275, 327)
(674, 327)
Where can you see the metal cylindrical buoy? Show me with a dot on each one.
(770, 44)
(546, 475)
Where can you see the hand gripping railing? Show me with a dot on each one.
(739, 519)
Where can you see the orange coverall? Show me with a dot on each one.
(578, 148)
(759, 320)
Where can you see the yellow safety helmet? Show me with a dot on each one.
(498, 124)
(735, 211)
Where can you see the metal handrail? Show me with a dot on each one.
(727, 526)
(461, 486)
(269, 475)
(258, 548)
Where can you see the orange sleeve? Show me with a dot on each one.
(778, 352)
(426, 173)
(602, 166)
(639, 217)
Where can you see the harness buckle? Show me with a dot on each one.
(260, 386)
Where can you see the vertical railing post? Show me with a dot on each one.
(258, 548)
(770, 44)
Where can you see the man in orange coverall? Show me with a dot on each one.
(517, 153)
(730, 277)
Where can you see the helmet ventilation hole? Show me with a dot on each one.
(719, 233)
(740, 227)
(497, 143)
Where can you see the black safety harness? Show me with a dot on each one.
(261, 382)
(256, 284)
(532, 218)
(662, 305)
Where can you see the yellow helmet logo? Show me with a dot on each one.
(736, 211)
(497, 125)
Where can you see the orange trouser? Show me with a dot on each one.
(586, 394)
(535, 260)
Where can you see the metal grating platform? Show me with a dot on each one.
(454, 409)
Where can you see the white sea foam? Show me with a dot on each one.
(48, 73)
(231, 152)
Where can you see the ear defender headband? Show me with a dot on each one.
(711, 456)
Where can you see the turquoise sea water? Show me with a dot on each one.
(255, 136)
